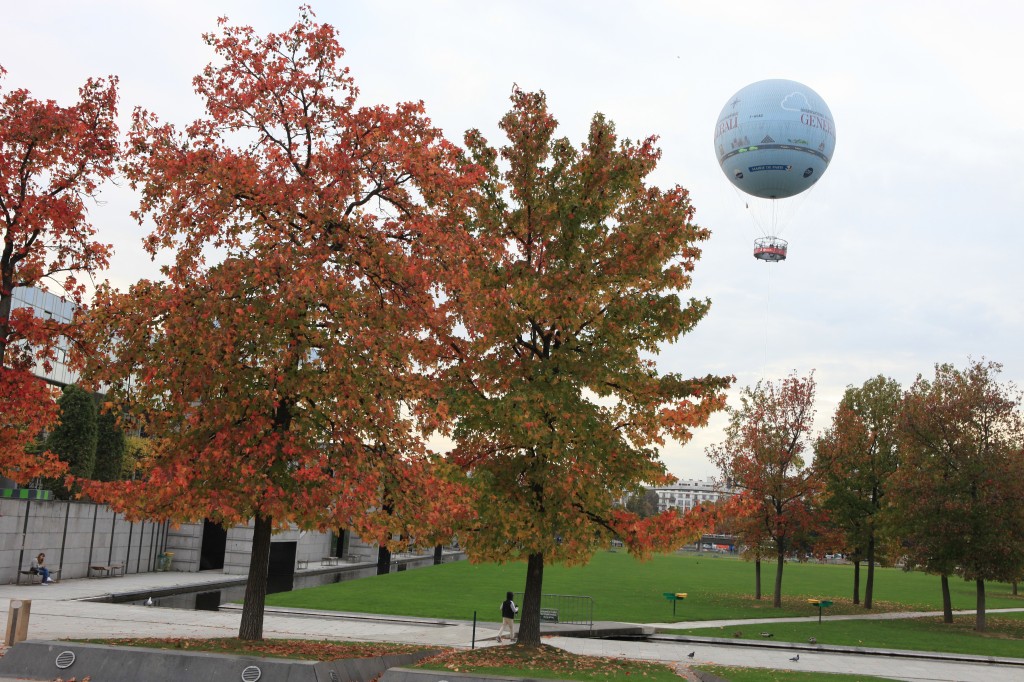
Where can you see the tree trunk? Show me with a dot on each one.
(757, 578)
(1014, 588)
(947, 604)
(344, 541)
(6, 303)
(251, 627)
(529, 622)
(979, 619)
(856, 581)
(780, 562)
(438, 555)
(383, 560)
(869, 589)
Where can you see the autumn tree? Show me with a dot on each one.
(855, 459)
(52, 160)
(958, 494)
(741, 514)
(763, 456)
(274, 365)
(571, 291)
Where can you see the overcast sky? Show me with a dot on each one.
(904, 254)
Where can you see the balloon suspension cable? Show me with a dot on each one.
(767, 317)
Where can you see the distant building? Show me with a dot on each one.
(687, 494)
(50, 307)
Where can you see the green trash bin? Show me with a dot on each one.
(164, 561)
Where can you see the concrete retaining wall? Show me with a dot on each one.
(73, 535)
(186, 542)
(39, 660)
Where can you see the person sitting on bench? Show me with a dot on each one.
(38, 567)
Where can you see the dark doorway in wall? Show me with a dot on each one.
(282, 559)
(215, 543)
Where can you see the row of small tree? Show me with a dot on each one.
(344, 281)
(931, 477)
(88, 440)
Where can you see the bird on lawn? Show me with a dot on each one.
(738, 633)
(690, 655)
(767, 634)
(812, 640)
(795, 658)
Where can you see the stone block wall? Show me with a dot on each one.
(186, 542)
(73, 535)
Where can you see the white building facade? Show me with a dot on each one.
(687, 494)
(48, 306)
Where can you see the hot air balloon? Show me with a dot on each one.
(774, 139)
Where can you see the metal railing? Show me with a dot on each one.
(573, 609)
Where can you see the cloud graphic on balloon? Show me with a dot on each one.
(795, 101)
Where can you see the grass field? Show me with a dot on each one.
(1004, 636)
(760, 675)
(624, 589)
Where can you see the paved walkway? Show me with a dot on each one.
(59, 611)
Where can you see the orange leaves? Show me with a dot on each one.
(957, 491)
(762, 455)
(663, 532)
(284, 379)
(29, 407)
(51, 158)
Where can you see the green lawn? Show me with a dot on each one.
(761, 675)
(1003, 637)
(624, 589)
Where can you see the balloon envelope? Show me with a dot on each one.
(775, 138)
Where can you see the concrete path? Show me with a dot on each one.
(59, 611)
(779, 658)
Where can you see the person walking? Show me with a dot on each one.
(508, 615)
(39, 567)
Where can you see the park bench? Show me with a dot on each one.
(107, 570)
(353, 558)
(54, 576)
(330, 561)
(549, 615)
(302, 564)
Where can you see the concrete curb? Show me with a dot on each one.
(840, 649)
(47, 660)
(421, 675)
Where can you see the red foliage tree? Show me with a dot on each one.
(280, 383)
(763, 456)
(559, 407)
(958, 494)
(52, 160)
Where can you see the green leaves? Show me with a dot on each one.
(573, 279)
